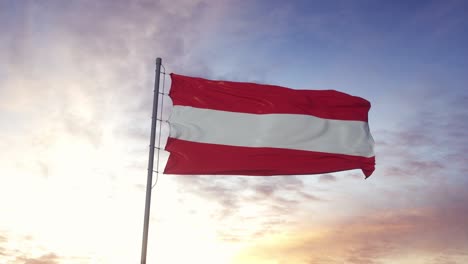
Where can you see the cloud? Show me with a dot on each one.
(3, 251)
(50, 258)
(327, 178)
(76, 92)
(387, 236)
(80, 75)
(231, 191)
(11, 254)
(430, 142)
(241, 199)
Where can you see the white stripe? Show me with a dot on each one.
(288, 131)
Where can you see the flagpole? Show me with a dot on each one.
(149, 180)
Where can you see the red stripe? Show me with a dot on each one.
(201, 158)
(266, 99)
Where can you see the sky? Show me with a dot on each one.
(76, 83)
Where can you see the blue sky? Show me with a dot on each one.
(75, 104)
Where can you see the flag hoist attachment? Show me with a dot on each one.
(152, 148)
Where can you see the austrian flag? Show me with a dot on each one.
(234, 128)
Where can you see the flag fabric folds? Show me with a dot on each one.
(234, 128)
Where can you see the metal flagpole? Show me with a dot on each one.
(149, 181)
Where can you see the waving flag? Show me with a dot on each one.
(233, 128)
